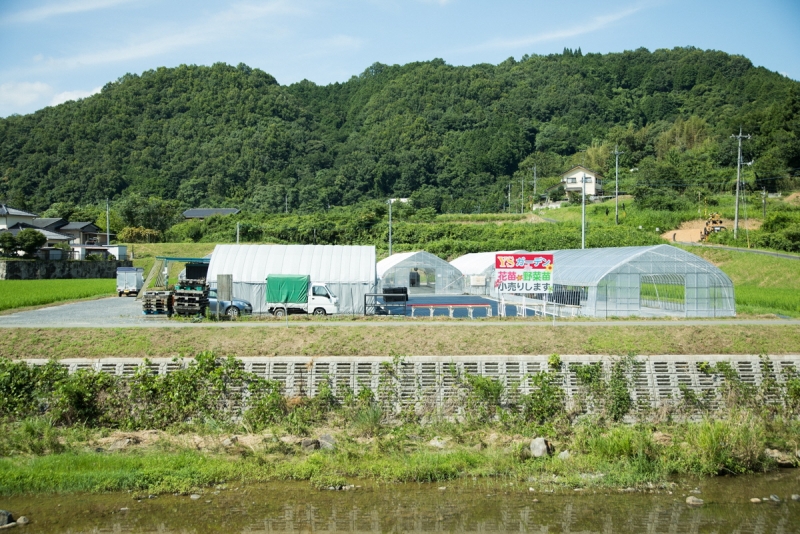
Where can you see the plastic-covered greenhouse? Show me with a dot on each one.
(348, 271)
(478, 271)
(421, 272)
(660, 280)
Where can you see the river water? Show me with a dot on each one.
(464, 506)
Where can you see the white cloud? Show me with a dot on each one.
(22, 94)
(66, 96)
(577, 28)
(228, 24)
(61, 8)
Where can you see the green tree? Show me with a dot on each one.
(8, 244)
(30, 241)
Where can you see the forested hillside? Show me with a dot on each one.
(451, 138)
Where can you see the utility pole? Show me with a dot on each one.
(108, 231)
(390, 227)
(287, 203)
(522, 194)
(764, 201)
(617, 154)
(534, 184)
(583, 212)
(237, 233)
(509, 197)
(738, 181)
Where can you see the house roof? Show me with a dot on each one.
(202, 213)
(5, 211)
(51, 236)
(44, 222)
(79, 226)
(580, 168)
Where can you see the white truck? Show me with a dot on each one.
(287, 294)
(129, 280)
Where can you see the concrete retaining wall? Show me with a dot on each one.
(44, 269)
(658, 380)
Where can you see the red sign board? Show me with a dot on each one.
(524, 273)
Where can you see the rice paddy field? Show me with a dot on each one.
(24, 293)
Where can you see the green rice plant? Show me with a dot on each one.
(768, 300)
(22, 293)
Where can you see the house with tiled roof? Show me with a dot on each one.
(10, 216)
(203, 213)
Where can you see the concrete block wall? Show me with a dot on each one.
(46, 269)
(435, 380)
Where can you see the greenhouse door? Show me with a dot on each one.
(421, 281)
(666, 292)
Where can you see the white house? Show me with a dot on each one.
(572, 181)
(11, 216)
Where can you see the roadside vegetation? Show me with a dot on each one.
(23, 293)
(308, 337)
(174, 433)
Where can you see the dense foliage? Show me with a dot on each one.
(451, 138)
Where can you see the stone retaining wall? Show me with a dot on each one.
(45, 269)
(657, 380)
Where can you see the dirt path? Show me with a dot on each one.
(689, 232)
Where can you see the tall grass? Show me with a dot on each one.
(21, 293)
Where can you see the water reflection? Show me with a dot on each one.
(465, 507)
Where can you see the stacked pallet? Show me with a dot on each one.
(157, 302)
(191, 297)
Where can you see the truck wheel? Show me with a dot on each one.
(279, 312)
(232, 312)
(320, 311)
(119, 294)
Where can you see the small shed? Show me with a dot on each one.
(421, 272)
(655, 281)
(477, 269)
(349, 271)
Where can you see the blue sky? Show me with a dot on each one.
(56, 50)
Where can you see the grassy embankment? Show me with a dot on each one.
(144, 254)
(24, 293)
(763, 284)
(70, 448)
(308, 338)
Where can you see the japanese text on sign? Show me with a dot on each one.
(524, 273)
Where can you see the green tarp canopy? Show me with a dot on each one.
(287, 288)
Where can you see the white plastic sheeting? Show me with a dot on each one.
(421, 272)
(349, 271)
(659, 280)
(477, 269)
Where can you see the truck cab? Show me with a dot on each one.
(321, 301)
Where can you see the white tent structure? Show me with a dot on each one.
(478, 271)
(421, 272)
(348, 271)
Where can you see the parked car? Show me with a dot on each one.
(232, 308)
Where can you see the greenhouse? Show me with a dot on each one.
(478, 271)
(659, 280)
(421, 272)
(348, 271)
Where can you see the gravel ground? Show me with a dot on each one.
(124, 312)
(112, 311)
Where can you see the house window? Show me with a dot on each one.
(588, 179)
(572, 180)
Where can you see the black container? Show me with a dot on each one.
(398, 294)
